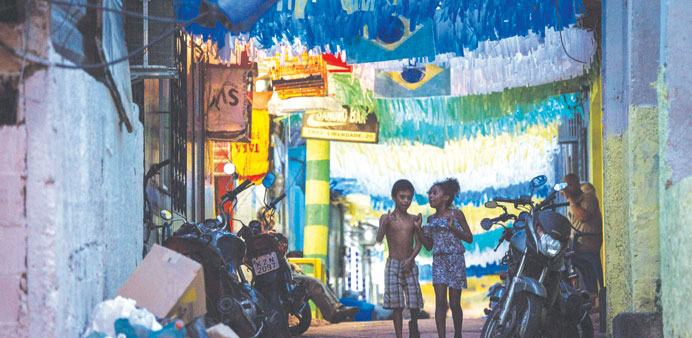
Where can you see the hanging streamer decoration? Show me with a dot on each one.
(435, 119)
(457, 25)
(517, 61)
(486, 166)
(462, 24)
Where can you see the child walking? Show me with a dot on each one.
(401, 271)
(444, 233)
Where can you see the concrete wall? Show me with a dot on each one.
(12, 229)
(71, 196)
(631, 169)
(675, 181)
(648, 172)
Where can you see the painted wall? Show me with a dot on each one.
(630, 157)
(595, 144)
(648, 184)
(83, 200)
(675, 181)
(72, 203)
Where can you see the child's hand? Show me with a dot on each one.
(407, 264)
(450, 221)
(418, 220)
(386, 218)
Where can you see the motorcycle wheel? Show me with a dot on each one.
(304, 319)
(582, 330)
(490, 328)
(523, 318)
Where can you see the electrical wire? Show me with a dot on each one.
(136, 52)
(120, 11)
(559, 29)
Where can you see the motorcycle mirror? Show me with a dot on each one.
(560, 186)
(490, 204)
(166, 215)
(486, 224)
(229, 168)
(538, 181)
(268, 180)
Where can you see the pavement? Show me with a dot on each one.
(471, 329)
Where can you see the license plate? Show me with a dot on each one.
(265, 263)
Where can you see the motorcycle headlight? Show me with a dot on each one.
(548, 245)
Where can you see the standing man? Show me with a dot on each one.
(584, 214)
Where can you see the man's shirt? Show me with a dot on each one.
(589, 202)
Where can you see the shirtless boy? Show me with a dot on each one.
(401, 271)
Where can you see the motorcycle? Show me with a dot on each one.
(150, 228)
(230, 297)
(266, 258)
(536, 298)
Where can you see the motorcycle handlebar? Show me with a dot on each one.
(502, 218)
(233, 193)
(273, 204)
(520, 200)
(557, 205)
(156, 167)
(547, 200)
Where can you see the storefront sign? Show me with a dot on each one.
(351, 124)
(251, 159)
(299, 76)
(228, 107)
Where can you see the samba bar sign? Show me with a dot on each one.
(228, 107)
(351, 124)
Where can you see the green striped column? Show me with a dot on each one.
(316, 200)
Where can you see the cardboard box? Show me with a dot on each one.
(168, 284)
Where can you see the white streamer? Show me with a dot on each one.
(507, 63)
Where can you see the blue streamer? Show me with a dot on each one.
(458, 24)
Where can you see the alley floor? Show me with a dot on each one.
(376, 329)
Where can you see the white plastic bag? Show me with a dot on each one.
(105, 313)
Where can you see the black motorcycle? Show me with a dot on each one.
(230, 297)
(266, 258)
(536, 298)
(151, 230)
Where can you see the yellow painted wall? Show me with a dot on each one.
(595, 144)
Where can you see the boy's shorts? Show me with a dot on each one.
(398, 282)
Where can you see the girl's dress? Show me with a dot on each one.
(449, 265)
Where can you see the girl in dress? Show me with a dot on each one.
(444, 233)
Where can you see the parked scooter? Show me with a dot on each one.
(266, 258)
(230, 298)
(535, 300)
